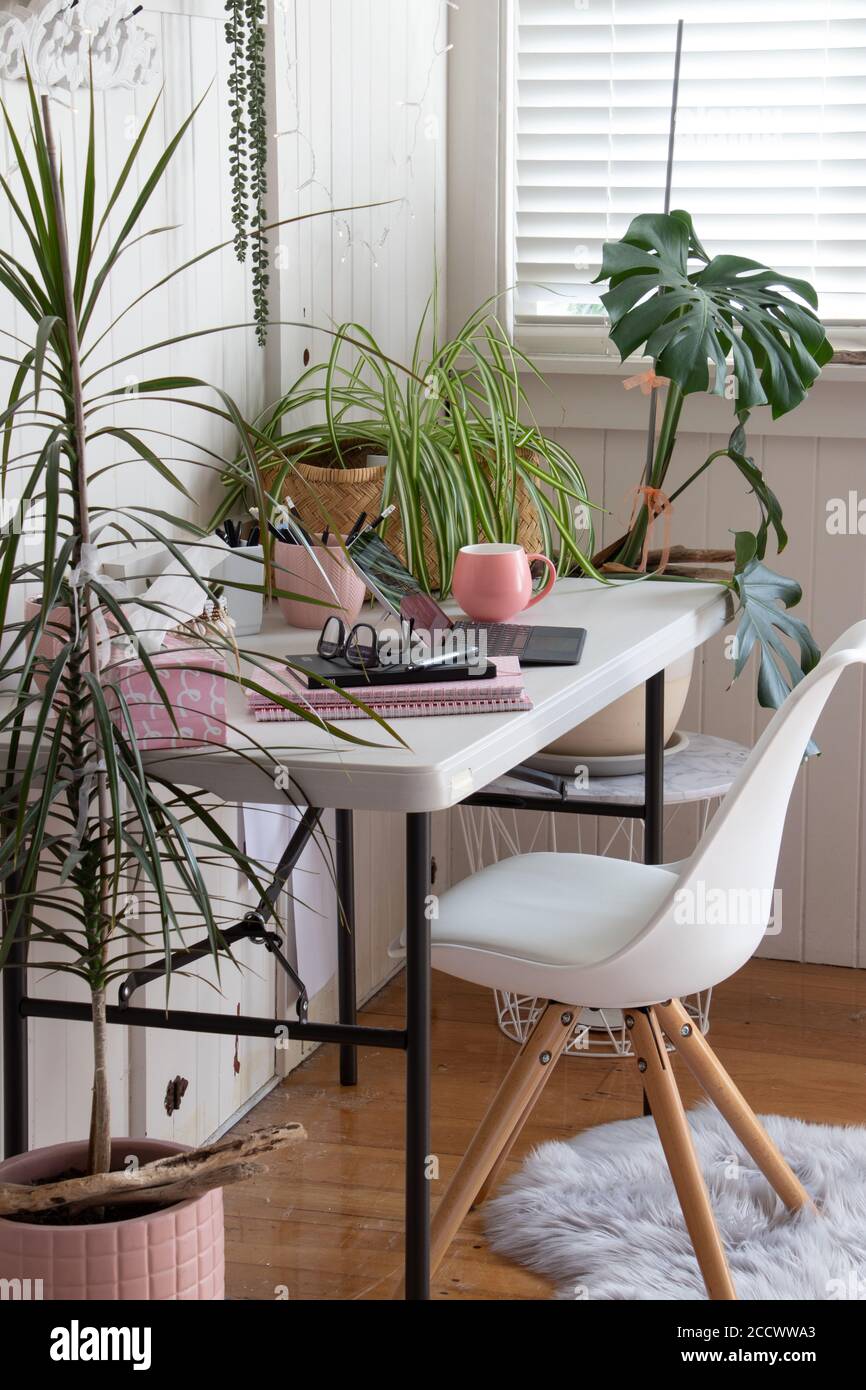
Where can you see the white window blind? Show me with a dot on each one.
(770, 155)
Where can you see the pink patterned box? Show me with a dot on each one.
(194, 680)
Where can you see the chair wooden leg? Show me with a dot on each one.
(493, 1176)
(509, 1108)
(673, 1129)
(705, 1066)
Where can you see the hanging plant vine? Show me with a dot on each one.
(258, 153)
(248, 143)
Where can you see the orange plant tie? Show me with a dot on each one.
(647, 381)
(658, 504)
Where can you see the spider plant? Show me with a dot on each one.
(94, 843)
(671, 300)
(464, 454)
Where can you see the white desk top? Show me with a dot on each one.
(633, 630)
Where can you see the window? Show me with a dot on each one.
(770, 153)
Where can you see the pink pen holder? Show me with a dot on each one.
(338, 590)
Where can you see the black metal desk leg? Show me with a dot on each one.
(346, 942)
(417, 1056)
(15, 1067)
(654, 783)
(654, 772)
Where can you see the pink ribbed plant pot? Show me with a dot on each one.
(295, 570)
(177, 1253)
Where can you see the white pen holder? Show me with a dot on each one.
(243, 565)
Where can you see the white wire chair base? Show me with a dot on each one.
(597, 1032)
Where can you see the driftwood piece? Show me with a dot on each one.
(705, 572)
(675, 571)
(169, 1193)
(684, 555)
(677, 555)
(18, 1199)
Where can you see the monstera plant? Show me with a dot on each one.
(758, 330)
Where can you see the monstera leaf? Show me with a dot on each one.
(768, 502)
(685, 318)
(765, 622)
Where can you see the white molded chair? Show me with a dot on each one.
(586, 931)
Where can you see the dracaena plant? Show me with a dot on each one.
(688, 311)
(93, 843)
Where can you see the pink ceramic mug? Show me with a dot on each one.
(493, 582)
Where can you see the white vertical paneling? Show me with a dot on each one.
(348, 73)
(834, 832)
(382, 155)
(365, 265)
(401, 216)
(347, 232)
(790, 469)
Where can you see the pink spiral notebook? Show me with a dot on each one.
(504, 692)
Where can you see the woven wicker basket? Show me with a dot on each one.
(336, 496)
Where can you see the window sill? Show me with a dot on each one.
(593, 364)
(586, 392)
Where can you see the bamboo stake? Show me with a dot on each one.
(669, 174)
(18, 1199)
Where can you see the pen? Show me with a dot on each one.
(356, 528)
(371, 525)
(287, 514)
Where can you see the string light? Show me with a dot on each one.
(439, 51)
(403, 205)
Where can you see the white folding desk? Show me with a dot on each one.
(634, 630)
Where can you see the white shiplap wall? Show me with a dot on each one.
(360, 107)
(358, 97)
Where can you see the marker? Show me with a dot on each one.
(356, 528)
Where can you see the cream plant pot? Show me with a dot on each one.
(620, 728)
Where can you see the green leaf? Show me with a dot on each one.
(43, 335)
(765, 622)
(768, 503)
(88, 201)
(686, 319)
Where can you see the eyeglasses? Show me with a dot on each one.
(358, 645)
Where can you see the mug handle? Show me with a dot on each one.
(548, 583)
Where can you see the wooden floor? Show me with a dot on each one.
(327, 1222)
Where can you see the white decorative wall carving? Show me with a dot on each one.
(56, 39)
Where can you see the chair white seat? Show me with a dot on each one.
(526, 923)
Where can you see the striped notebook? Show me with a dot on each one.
(502, 693)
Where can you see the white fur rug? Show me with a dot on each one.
(599, 1216)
